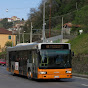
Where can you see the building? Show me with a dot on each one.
(10, 20)
(1, 19)
(14, 18)
(5, 36)
(20, 24)
(67, 27)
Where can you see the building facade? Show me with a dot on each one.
(6, 36)
(14, 18)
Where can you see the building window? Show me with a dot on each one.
(9, 37)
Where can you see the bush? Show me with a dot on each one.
(8, 43)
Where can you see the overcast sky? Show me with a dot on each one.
(19, 8)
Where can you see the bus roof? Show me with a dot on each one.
(27, 46)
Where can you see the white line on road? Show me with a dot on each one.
(81, 78)
(84, 85)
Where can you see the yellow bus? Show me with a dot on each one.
(40, 60)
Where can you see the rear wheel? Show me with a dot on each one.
(14, 74)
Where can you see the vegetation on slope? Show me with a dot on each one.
(80, 44)
(80, 47)
(59, 8)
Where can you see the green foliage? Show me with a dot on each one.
(80, 44)
(2, 53)
(75, 30)
(1, 25)
(71, 10)
(8, 43)
(5, 24)
(58, 7)
(57, 27)
(81, 18)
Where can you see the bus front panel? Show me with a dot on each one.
(55, 64)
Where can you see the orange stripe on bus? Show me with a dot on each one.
(16, 71)
(52, 73)
(27, 74)
(31, 75)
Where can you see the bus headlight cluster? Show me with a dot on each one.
(68, 72)
(42, 72)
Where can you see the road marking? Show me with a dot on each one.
(81, 78)
(84, 85)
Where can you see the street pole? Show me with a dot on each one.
(76, 6)
(43, 33)
(15, 39)
(31, 33)
(19, 35)
(62, 30)
(12, 34)
(12, 38)
(23, 36)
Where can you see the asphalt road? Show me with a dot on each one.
(7, 80)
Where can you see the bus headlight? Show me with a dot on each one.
(68, 72)
(42, 72)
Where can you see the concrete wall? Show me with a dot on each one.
(80, 63)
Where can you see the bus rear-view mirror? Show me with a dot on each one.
(72, 53)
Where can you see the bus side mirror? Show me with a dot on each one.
(72, 53)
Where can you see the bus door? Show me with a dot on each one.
(9, 61)
(12, 61)
(35, 64)
(24, 56)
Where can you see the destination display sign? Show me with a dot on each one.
(54, 46)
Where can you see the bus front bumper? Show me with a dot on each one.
(46, 76)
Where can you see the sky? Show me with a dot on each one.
(19, 8)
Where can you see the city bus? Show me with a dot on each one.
(40, 60)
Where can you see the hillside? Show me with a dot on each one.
(80, 44)
(80, 47)
(59, 8)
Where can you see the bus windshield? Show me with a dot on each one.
(55, 59)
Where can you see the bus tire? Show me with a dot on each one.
(29, 74)
(14, 74)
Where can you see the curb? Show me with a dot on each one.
(80, 75)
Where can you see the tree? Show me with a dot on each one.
(8, 43)
(81, 18)
(59, 8)
(22, 19)
(6, 24)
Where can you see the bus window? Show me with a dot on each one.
(55, 59)
(13, 56)
(30, 56)
(44, 58)
(59, 59)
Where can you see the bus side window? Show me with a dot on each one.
(39, 57)
(30, 56)
(13, 56)
(17, 55)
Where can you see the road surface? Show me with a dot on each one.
(7, 80)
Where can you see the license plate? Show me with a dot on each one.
(56, 76)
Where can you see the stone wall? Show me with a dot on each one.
(80, 64)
